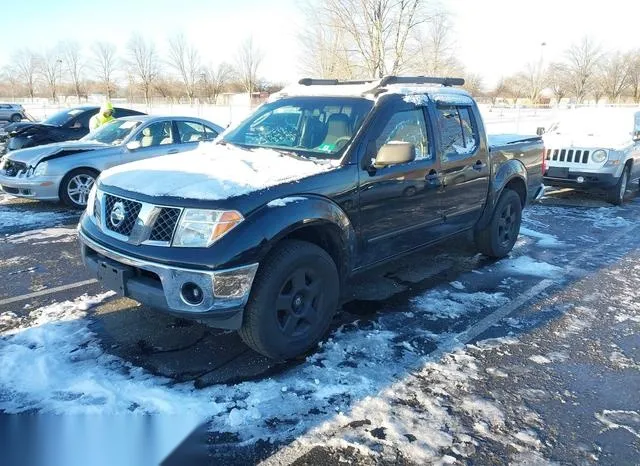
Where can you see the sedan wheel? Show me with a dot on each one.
(76, 187)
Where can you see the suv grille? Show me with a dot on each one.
(125, 215)
(568, 155)
(13, 168)
(165, 224)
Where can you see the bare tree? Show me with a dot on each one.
(582, 61)
(515, 88)
(437, 52)
(500, 90)
(74, 64)
(325, 51)
(473, 83)
(215, 79)
(104, 65)
(184, 58)
(144, 60)
(377, 33)
(633, 63)
(11, 79)
(248, 60)
(558, 80)
(25, 63)
(50, 67)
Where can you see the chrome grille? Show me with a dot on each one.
(569, 156)
(165, 224)
(131, 211)
(97, 212)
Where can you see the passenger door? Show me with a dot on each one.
(464, 166)
(398, 204)
(155, 139)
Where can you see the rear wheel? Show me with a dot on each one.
(499, 236)
(294, 297)
(16, 117)
(617, 193)
(75, 187)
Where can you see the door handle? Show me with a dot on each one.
(172, 151)
(479, 165)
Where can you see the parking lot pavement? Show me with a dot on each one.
(543, 378)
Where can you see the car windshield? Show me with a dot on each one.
(309, 126)
(63, 117)
(114, 132)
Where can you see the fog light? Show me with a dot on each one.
(191, 294)
(580, 179)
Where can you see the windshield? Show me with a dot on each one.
(114, 132)
(60, 118)
(310, 126)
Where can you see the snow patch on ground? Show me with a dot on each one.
(43, 236)
(11, 217)
(627, 420)
(539, 359)
(13, 261)
(525, 265)
(545, 240)
(444, 304)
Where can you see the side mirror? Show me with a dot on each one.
(133, 145)
(393, 153)
(635, 136)
(540, 130)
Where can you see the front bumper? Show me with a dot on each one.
(45, 188)
(582, 180)
(224, 292)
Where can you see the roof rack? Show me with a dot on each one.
(387, 80)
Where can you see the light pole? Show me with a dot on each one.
(59, 66)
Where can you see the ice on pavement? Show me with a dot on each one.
(444, 304)
(43, 236)
(12, 217)
(544, 240)
(525, 265)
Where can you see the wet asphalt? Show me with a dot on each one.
(597, 265)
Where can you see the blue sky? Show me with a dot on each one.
(494, 37)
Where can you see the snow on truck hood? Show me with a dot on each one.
(33, 155)
(211, 172)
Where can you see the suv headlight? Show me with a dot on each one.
(199, 228)
(599, 156)
(40, 169)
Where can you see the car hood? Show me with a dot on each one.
(211, 172)
(22, 126)
(614, 141)
(34, 155)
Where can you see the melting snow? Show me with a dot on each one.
(43, 236)
(441, 304)
(525, 265)
(545, 240)
(211, 172)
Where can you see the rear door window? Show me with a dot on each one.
(190, 131)
(458, 134)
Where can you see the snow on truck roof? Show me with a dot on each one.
(372, 89)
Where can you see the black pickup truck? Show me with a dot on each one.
(260, 230)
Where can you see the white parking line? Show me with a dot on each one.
(47, 291)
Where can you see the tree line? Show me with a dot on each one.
(137, 71)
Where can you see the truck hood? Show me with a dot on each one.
(615, 141)
(212, 172)
(34, 155)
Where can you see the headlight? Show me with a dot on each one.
(41, 169)
(599, 156)
(91, 200)
(200, 228)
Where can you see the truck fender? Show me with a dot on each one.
(511, 171)
(297, 216)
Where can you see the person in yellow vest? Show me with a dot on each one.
(105, 115)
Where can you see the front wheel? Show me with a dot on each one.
(498, 237)
(15, 118)
(294, 297)
(617, 193)
(75, 187)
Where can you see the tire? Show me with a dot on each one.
(498, 237)
(81, 179)
(294, 297)
(616, 194)
(16, 117)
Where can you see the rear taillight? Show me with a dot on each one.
(544, 161)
